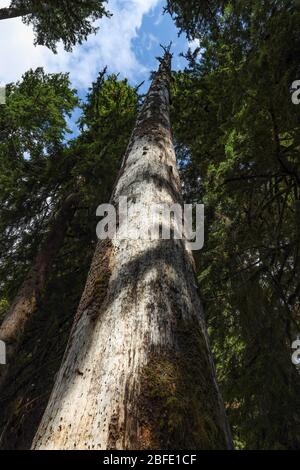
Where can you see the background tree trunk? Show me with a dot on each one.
(138, 372)
(25, 302)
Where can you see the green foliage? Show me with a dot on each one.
(108, 118)
(238, 140)
(196, 17)
(237, 135)
(69, 21)
(38, 170)
(33, 128)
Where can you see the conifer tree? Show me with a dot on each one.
(69, 21)
(33, 189)
(237, 134)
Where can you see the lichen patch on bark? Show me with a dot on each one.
(178, 405)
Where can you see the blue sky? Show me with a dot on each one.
(156, 29)
(127, 43)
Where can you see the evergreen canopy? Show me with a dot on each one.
(69, 21)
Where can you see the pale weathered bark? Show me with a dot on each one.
(25, 302)
(138, 372)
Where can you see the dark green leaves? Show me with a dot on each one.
(238, 140)
(69, 21)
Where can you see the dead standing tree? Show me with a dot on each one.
(138, 371)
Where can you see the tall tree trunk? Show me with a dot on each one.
(24, 304)
(138, 372)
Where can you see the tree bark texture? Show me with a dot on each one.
(138, 371)
(25, 302)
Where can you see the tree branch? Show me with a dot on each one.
(12, 12)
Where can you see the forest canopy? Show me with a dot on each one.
(69, 21)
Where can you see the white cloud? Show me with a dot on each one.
(159, 19)
(111, 46)
(194, 44)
